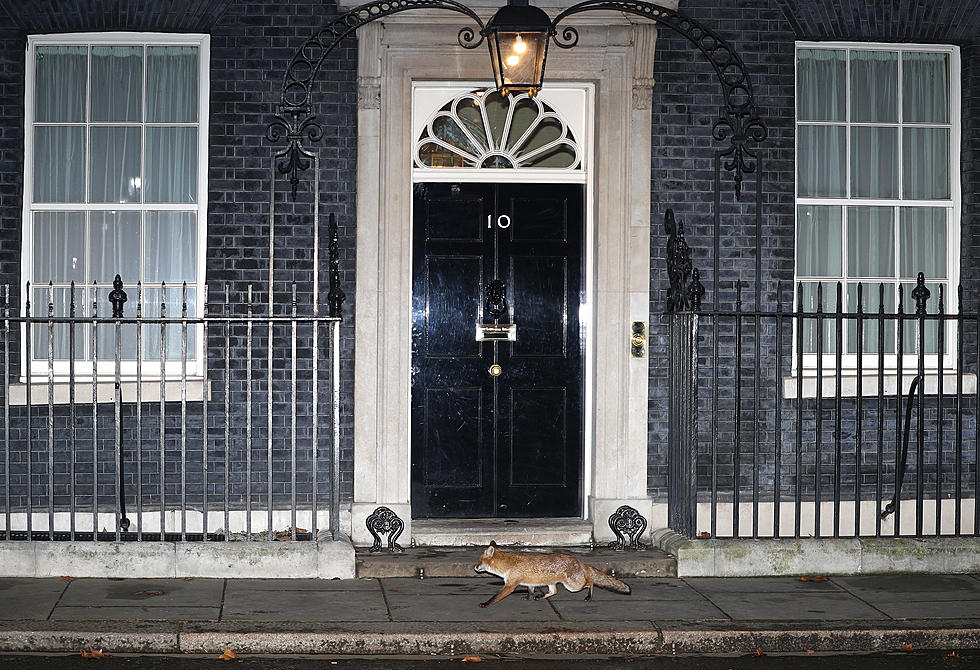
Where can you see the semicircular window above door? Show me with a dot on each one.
(484, 129)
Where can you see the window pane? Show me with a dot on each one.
(820, 76)
(930, 328)
(153, 297)
(873, 295)
(59, 84)
(115, 246)
(117, 83)
(925, 87)
(171, 165)
(874, 162)
(925, 163)
(59, 247)
(821, 161)
(818, 241)
(115, 166)
(58, 334)
(874, 86)
(870, 242)
(59, 164)
(827, 303)
(170, 247)
(922, 242)
(171, 84)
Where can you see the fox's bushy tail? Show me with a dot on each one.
(602, 580)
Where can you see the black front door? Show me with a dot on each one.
(497, 424)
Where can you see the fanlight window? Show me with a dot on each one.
(484, 129)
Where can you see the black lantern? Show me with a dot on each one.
(518, 39)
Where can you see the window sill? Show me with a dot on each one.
(869, 384)
(150, 391)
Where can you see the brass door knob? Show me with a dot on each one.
(495, 370)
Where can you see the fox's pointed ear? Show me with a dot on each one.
(492, 543)
(489, 552)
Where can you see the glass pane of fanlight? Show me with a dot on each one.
(525, 113)
(471, 116)
(435, 155)
(561, 156)
(447, 130)
(496, 106)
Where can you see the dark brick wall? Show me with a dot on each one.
(251, 45)
(686, 103)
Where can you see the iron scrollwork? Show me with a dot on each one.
(295, 124)
(627, 522)
(739, 122)
(385, 522)
(685, 290)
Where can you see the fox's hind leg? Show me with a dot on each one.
(530, 593)
(552, 590)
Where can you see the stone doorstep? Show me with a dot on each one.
(459, 561)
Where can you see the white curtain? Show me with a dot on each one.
(820, 81)
(818, 241)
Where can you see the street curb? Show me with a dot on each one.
(637, 638)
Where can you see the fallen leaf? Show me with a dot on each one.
(188, 579)
(92, 653)
(952, 655)
(908, 646)
(814, 578)
(228, 655)
(67, 578)
(809, 651)
(472, 659)
(704, 533)
(758, 651)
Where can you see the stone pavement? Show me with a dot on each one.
(442, 616)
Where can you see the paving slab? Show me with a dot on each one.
(794, 606)
(143, 593)
(248, 604)
(905, 588)
(653, 589)
(712, 585)
(577, 609)
(26, 598)
(443, 585)
(455, 607)
(931, 609)
(136, 613)
(305, 584)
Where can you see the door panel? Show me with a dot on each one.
(507, 445)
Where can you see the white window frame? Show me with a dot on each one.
(149, 369)
(870, 362)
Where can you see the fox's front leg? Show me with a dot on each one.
(501, 594)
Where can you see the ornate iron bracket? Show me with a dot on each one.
(627, 522)
(383, 521)
(295, 123)
(738, 121)
(686, 290)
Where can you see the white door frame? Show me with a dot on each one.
(617, 57)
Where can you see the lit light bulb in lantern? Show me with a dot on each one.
(519, 46)
(513, 60)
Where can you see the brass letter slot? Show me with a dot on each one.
(506, 332)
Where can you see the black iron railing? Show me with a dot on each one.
(801, 413)
(167, 421)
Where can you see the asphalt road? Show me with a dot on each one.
(895, 661)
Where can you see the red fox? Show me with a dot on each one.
(533, 570)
